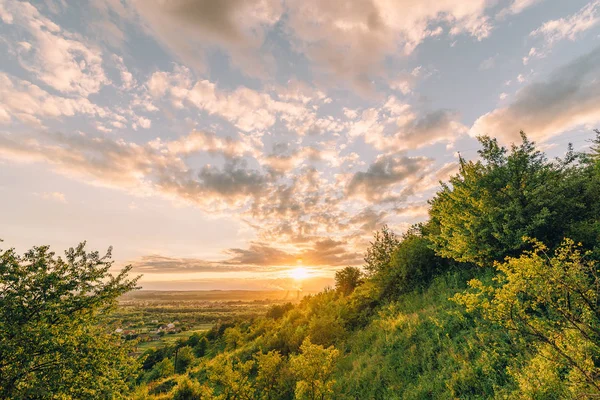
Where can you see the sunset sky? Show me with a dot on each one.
(253, 144)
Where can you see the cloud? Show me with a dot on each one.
(159, 264)
(405, 81)
(28, 103)
(567, 99)
(127, 79)
(375, 183)
(534, 53)
(350, 40)
(257, 257)
(396, 127)
(571, 26)
(198, 141)
(260, 254)
(517, 7)
(56, 57)
(246, 109)
(437, 126)
(489, 63)
(188, 27)
(54, 196)
(232, 180)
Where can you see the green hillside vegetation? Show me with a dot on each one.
(497, 295)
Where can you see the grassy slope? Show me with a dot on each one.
(423, 346)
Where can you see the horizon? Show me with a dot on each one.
(257, 146)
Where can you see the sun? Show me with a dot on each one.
(299, 273)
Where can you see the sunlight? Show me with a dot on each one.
(299, 273)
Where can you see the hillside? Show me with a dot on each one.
(495, 296)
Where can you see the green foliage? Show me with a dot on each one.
(380, 251)
(184, 357)
(413, 264)
(201, 347)
(231, 377)
(484, 211)
(552, 303)
(52, 344)
(191, 390)
(153, 356)
(314, 367)
(423, 346)
(163, 369)
(278, 310)
(270, 375)
(347, 279)
(164, 386)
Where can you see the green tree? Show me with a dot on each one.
(314, 367)
(52, 343)
(270, 377)
(183, 359)
(347, 279)
(233, 337)
(380, 251)
(201, 347)
(413, 264)
(232, 377)
(485, 210)
(162, 369)
(553, 303)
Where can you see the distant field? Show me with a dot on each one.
(160, 317)
(212, 295)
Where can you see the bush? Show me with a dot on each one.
(191, 390)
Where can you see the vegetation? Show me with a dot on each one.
(497, 295)
(52, 343)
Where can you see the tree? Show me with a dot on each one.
(270, 379)
(413, 264)
(233, 337)
(314, 367)
(277, 311)
(52, 342)
(184, 357)
(380, 251)
(347, 279)
(485, 210)
(231, 377)
(162, 369)
(552, 303)
(200, 347)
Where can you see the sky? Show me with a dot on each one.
(258, 144)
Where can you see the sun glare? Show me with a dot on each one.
(299, 273)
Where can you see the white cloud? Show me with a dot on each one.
(533, 53)
(127, 79)
(28, 102)
(517, 7)
(248, 110)
(352, 39)
(568, 99)
(571, 26)
(56, 57)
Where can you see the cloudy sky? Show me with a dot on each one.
(220, 144)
